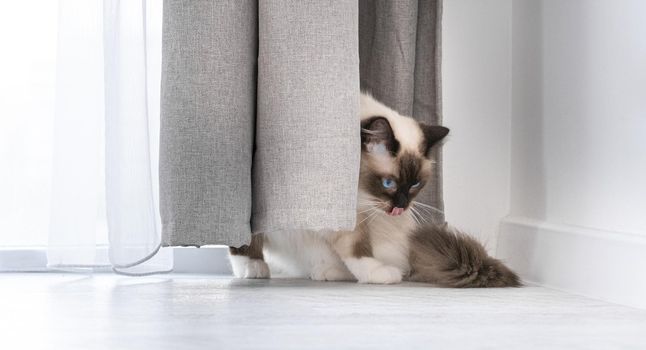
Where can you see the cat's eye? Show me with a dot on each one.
(388, 183)
(415, 184)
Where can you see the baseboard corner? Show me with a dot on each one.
(596, 263)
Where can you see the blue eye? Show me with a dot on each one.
(416, 184)
(388, 183)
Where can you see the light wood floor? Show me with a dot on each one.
(104, 311)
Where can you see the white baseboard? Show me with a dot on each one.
(600, 264)
(206, 260)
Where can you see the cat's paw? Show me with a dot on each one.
(243, 267)
(331, 273)
(384, 274)
(256, 268)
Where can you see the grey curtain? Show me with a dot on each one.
(259, 114)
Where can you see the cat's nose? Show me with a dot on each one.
(400, 200)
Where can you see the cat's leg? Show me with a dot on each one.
(248, 261)
(332, 271)
(355, 251)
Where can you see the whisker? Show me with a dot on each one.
(369, 209)
(418, 215)
(428, 206)
(369, 216)
(415, 217)
(422, 209)
(426, 211)
(424, 204)
(413, 212)
(426, 215)
(422, 212)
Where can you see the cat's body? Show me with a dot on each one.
(376, 252)
(389, 241)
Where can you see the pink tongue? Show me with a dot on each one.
(396, 211)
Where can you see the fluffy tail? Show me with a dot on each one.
(449, 258)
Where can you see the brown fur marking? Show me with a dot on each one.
(432, 135)
(253, 250)
(362, 247)
(378, 131)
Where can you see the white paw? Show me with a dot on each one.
(238, 265)
(256, 269)
(384, 275)
(331, 273)
(243, 267)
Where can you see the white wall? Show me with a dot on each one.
(527, 177)
(578, 147)
(546, 100)
(582, 120)
(476, 72)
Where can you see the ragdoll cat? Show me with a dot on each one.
(389, 243)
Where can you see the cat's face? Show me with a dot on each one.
(395, 163)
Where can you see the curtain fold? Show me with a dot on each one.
(306, 163)
(260, 129)
(207, 120)
(298, 63)
(132, 47)
(104, 187)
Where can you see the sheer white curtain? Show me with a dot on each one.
(103, 139)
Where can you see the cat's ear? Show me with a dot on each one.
(377, 136)
(432, 135)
